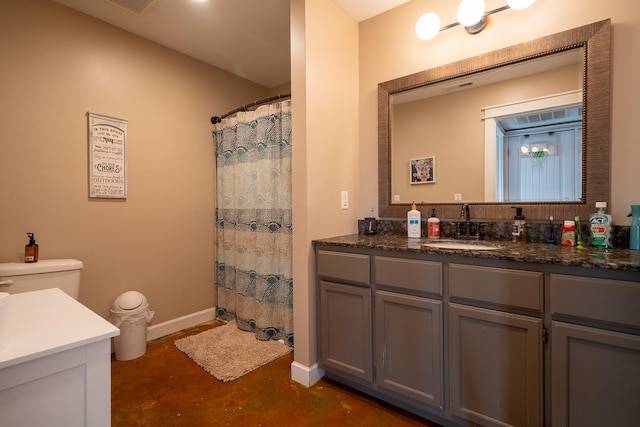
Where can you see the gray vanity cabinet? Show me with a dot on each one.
(408, 330)
(595, 362)
(476, 341)
(345, 314)
(495, 356)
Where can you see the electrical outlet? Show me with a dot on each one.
(344, 200)
(396, 197)
(457, 196)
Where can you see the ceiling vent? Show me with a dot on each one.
(542, 118)
(136, 6)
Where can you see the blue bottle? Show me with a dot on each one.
(634, 239)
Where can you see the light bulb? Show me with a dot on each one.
(428, 26)
(524, 149)
(520, 4)
(470, 12)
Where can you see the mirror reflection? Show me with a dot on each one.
(510, 134)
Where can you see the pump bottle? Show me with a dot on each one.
(31, 249)
(518, 228)
(413, 222)
(433, 226)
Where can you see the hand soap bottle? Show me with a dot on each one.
(413, 222)
(600, 227)
(433, 226)
(31, 249)
(518, 228)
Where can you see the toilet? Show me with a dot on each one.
(17, 277)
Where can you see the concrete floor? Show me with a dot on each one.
(165, 388)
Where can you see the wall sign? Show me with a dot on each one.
(107, 157)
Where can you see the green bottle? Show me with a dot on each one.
(600, 226)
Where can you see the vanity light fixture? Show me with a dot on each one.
(470, 14)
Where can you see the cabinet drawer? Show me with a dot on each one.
(513, 288)
(343, 266)
(614, 301)
(411, 274)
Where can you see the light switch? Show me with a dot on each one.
(457, 196)
(344, 200)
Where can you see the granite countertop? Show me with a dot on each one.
(543, 253)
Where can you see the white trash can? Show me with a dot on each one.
(130, 312)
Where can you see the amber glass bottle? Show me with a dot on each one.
(31, 250)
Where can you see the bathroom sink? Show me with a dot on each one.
(460, 246)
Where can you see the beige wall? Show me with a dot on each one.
(57, 64)
(324, 84)
(389, 49)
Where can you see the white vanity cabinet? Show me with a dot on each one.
(595, 362)
(56, 370)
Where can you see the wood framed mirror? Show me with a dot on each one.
(595, 42)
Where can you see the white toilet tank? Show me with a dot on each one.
(16, 277)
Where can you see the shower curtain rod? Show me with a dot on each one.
(218, 119)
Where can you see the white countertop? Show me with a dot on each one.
(47, 322)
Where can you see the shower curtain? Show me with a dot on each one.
(254, 279)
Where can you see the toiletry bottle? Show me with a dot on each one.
(518, 228)
(634, 230)
(578, 232)
(370, 224)
(433, 226)
(600, 227)
(568, 233)
(413, 222)
(31, 250)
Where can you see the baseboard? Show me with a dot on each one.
(170, 326)
(305, 375)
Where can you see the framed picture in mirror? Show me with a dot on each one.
(422, 170)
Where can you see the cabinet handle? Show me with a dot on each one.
(6, 282)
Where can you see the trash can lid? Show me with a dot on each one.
(129, 300)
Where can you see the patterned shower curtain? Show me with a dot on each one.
(254, 278)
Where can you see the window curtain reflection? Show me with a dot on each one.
(254, 278)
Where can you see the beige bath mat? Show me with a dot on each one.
(227, 353)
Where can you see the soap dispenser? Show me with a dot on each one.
(433, 226)
(31, 249)
(413, 222)
(518, 228)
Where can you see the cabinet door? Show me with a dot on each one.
(495, 368)
(595, 377)
(409, 346)
(345, 329)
